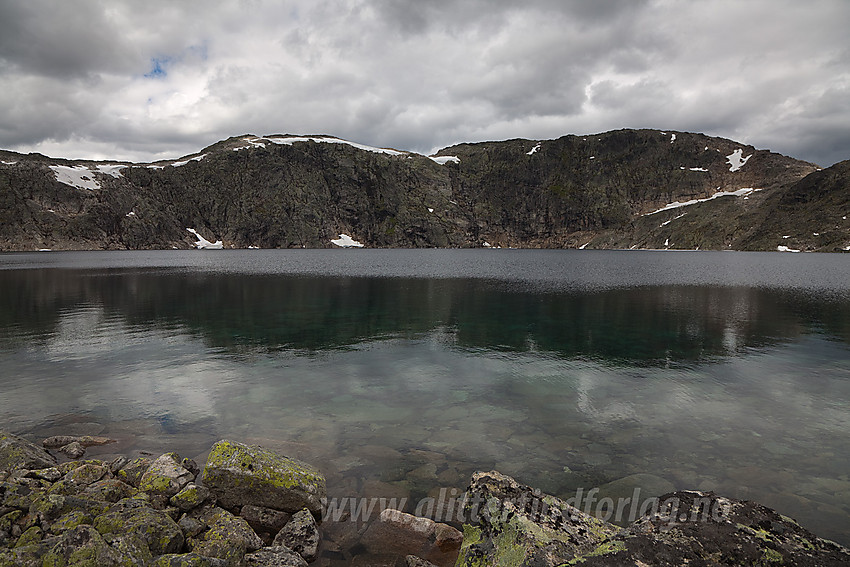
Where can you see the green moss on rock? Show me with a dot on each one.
(240, 474)
(18, 453)
(130, 516)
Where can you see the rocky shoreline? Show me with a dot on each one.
(252, 507)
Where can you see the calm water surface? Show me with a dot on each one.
(400, 372)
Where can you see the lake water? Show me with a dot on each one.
(400, 372)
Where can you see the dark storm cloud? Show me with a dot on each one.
(158, 79)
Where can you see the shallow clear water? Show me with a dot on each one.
(399, 372)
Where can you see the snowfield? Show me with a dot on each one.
(345, 241)
(736, 160)
(203, 243)
(676, 204)
(443, 160)
(82, 177)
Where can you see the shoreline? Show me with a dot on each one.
(251, 506)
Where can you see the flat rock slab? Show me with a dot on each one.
(239, 475)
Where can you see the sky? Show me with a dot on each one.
(140, 81)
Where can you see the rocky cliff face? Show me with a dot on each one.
(622, 189)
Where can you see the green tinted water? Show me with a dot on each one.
(403, 383)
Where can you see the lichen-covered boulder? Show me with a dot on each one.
(301, 535)
(228, 537)
(132, 516)
(701, 528)
(511, 524)
(190, 497)
(131, 472)
(187, 560)
(110, 490)
(513, 528)
(84, 545)
(240, 474)
(166, 476)
(18, 453)
(86, 474)
(276, 556)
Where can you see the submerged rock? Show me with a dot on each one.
(400, 533)
(239, 474)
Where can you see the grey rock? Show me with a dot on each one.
(190, 497)
(301, 535)
(131, 472)
(264, 519)
(51, 474)
(414, 561)
(278, 556)
(84, 441)
(404, 534)
(18, 453)
(73, 450)
(165, 476)
(85, 544)
(240, 474)
(228, 537)
(190, 526)
(86, 474)
(131, 516)
(187, 560)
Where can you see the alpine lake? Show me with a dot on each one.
(400, 372)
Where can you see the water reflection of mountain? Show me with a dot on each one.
(647, 325)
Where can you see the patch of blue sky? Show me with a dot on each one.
(158, 68)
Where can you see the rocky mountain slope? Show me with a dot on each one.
(621, 189)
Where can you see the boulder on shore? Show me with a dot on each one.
(511, 524)
(18, 453)
(239, 475)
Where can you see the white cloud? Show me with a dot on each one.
(149, 80)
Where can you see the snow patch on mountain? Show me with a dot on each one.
(443, 160)
(289, 140)
(736, 160)
(203, 243)
(533, 150)
(345, 241)
(182, 163)
(677, 204)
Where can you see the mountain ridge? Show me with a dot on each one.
(619, 189)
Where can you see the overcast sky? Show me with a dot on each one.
(144, 80)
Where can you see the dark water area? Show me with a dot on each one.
(400, 372)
